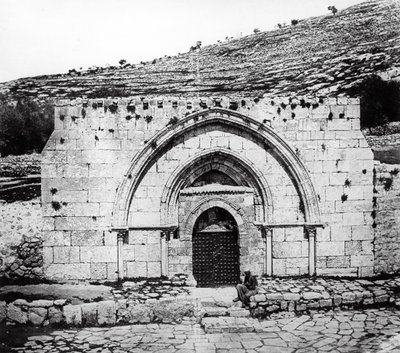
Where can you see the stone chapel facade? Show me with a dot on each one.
(208, 187)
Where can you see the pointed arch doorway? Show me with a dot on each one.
(216, 249)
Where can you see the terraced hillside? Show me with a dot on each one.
(324, 55)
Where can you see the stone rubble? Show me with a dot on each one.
(172, 302)
(369, 330)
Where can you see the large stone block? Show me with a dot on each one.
(362, 260)
(153, 269)
(98, 253)
(153, 252)
(279, 267)
(86, 237)
(101, 170)
(56, 238)
(330, 248)
(294, 234)
(16, 314)
(65, 254)
(101, 195)
(112, 271)
(286, 249)
(136, 269)
(361, 232)
(78, 223)
(64, 184)
(68, 271)
(350, 272)
(37, 316)
(54, 157)
(55, 315)
(47, 255)
(106, 312)
(353, 247)
(338, 261)
(340, 232)
(72, 314)
(98, 270)
(89, 314)
(68, 196)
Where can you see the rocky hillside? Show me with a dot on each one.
(324, 55)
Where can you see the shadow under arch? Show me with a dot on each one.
(237, 167)
(210, 202)
(165, 137)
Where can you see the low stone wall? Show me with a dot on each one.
(109, 312)
(275, 295)
(309, 294)
(21, 240)
(386, 214)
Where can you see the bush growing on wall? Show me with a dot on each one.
(380, 101)
(24, 126)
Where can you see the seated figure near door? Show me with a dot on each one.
(248, 288)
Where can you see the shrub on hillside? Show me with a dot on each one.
(24, 126)
(379, 100)
(333, 9)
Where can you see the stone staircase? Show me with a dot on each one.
(226, 316)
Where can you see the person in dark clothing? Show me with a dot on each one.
(247, 289)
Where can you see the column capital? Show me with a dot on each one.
(165, 234)
(311, 231)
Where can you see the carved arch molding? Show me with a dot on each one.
(218, 158)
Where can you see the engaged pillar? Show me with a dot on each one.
(121, 235)
(268, 251)
(311, 234)
(165, 235)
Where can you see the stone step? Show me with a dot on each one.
(230, 324)
(220, 311)
(214, 311)
(238, 312)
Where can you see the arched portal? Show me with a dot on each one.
(215, 248)
(235, 167)
(264, 134)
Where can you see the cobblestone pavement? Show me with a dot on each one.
(370, 330)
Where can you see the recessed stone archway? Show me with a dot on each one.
(207, 202)
(241, 170)
(238, 202)
(261, 132)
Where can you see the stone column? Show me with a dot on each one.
(311, 234)
(164, 252)
(268, 251)
(120, 263)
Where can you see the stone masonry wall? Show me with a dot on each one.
(21, 240)
(94, 142)
(386, 213)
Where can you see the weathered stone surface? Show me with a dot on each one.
(41, 303)
(72, 314)
(140, 314)
(55, 315)
(106, 313)
(37, 315)
(89, 314)
(15, 313)
(311, 295)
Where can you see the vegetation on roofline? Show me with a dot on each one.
(379, 101)
(25, 126)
